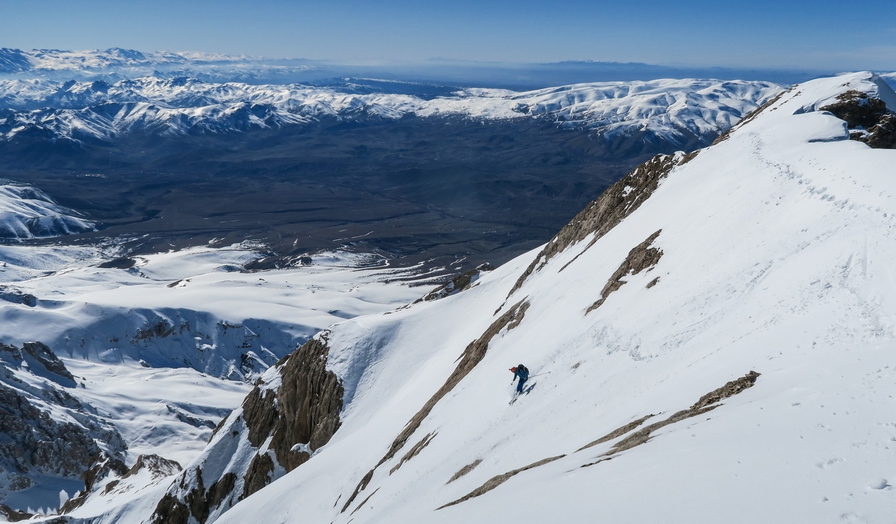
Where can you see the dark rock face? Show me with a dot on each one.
(72, 443)
(284, 425)
(40, 359)
(32, 443)
(306, 410)
(868, 118)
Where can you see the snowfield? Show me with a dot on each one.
(775, 247)
(674, 110)
(163, 350)
(717, 347)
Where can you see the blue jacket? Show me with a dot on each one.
(522, 372)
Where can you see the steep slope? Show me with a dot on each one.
(677, 111)
(723, 353)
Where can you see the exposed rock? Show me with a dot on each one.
(464, 470)
(414, 451)
(868, 117)
(283, 425)
(457, 284)
(101, 469)
(259, 474)
(157, 466)
(16, 296)
(160, 329)
(706, 403)
(616, 433)
(608, 210)
(34, 442)
(119, 263)
(13, 515)
(883, 134)
(497, 480)
(45, 432)
(309, 402)
(39, 358)
(641, 258)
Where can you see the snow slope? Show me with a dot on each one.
(146, 389)
(27, 213)
(769, 252)
(673, 110)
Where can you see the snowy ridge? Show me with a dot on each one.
(674, 110)
(27, 212)
(769, 252)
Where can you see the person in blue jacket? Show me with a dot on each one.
(521, 372)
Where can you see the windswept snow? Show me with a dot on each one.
(674, 110)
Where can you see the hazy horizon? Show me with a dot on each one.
(693, 34)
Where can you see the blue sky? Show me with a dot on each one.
(825, 34)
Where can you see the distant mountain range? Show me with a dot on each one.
(672, 110)
(116, 63)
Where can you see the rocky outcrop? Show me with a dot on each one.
(632, 438)
(867, 117)
(17, 296)
(461, 282)
(641, 258)
(608, 210)
(45, 432)
(292, 411)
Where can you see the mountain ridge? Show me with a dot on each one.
(671, 110)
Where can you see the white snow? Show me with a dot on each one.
(671, 108)
(777, 251)
(777, 247)
(27, 213)
(165, 394)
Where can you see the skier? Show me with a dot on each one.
(523, 373)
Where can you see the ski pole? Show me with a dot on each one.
(539, 374)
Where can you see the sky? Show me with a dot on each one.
(824, 34)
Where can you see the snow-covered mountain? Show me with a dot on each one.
(17, 61)
(672, 110)
(144, 356)
(710, 340)
(27, 213)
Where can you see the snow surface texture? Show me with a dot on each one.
(27, 213)
(776, 247)
(674, 110)
(150, 346)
